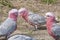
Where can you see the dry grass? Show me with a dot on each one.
(35, 6)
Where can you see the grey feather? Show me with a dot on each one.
(36, 19)
(20, 37)
(7, 27)
(56, 29)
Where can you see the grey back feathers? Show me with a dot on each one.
(56, 29)
(36, 19)
(20, 37)
(7, 27)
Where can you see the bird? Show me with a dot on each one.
(10, 24)
(31, 18)
(20, 37)
(52, 27)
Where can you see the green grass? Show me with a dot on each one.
(6, 3)
(49, 1)
(58, 17)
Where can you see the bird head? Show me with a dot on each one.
(50, 17)
(13, 13)
(49, 14)
(23, 11)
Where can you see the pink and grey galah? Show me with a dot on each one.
(52, 28)
(33, 19)
(9, 25)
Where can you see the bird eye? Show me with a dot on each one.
(48, 16)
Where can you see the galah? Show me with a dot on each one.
(52, 28)
(33, 19)
(9, 25)
(20, 37)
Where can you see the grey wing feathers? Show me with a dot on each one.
(7, 27)
(56, 29)
(21, 37)
(36, 19)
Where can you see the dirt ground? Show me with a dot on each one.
(37, 7)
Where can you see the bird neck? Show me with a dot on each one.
(13, 17)
(24, 16)
(49, 23)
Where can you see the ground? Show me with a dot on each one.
(37, 7)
